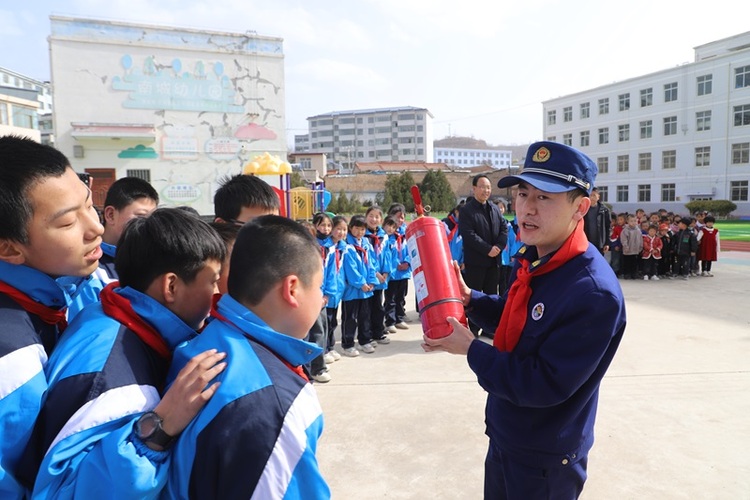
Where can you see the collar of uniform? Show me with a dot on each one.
(36, 284)
(294, 351)
(108, 249)
(171, 328)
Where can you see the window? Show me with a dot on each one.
(406, 128)
(406, 116)
(140, 173)
(646, 129)
(623, 133)
(622, 194)
(346, 121)
(552, 138)
(603, 194)
(624, 100)
(623, 163)
(604, 106)
(669, 159)
(328, 122)
(741, 153)
(24, 117)
(644, 193)
(644, 161)
(647, 97)
(568, 139)
(603, 136)
(704, 84)
(670, 125)
(602, 164)
(702, 120)
(670, 92)
(668, 192)
(742, 77)
(703, 156)
(3, 113)
(551, 117)
(585, 138)
(568, 114)
(738, 190)
(385, 118)
(742, 115)
(585, 110)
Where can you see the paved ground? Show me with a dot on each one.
(674, 414)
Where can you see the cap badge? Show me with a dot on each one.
(542, 154)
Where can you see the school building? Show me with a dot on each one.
(666, 138)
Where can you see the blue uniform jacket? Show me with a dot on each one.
(357, 273)
(380, 257)
(511, 248)
(401, 254)
(333, 274)
(85, 291)
(455, 243)
(25, 343)
(257, 436)
(542, 396)
(102, 377)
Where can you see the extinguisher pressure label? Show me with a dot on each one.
(411, 245)
(420, 285)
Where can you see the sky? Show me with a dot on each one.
(481, 67)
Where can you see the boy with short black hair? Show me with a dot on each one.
(104, 427)
(685, 247)
(49, 229)
(257, 437)
(242, 198)
(398, 285)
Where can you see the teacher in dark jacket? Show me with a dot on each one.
(485, 235)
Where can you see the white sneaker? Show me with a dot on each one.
(351, 352)
(645, 278)
(328, 358)
(368, 348)
(322, 377)
(704, 273)
(655, 277)
(391, 329)
(402, 326)
(383, 340)
(335, 354)
(709, 274)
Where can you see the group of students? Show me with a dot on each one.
(125, 373)
(367, 268)
(663, 245)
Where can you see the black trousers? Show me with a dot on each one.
(395, 301)
(355, 316)
(377, 314)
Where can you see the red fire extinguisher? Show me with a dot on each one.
(438, 294)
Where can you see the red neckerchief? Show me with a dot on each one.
(514, 314)
(31, 306)
(375, 239)
(399, 239)
(337, 255)
(363, 251)
(299, 370)
(452, 233)
(118, 307)
(323, 253)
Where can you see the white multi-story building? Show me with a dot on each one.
(43, 95)
(18, 112)
(385, 134)
(180, 108)
(670, 137)
(467, 158)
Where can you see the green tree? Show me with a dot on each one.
(397, 189)
(297, 180)
(436, 191)
(720, 208)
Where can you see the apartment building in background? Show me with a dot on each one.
(26, 114)
(384, 134)
(670, 137)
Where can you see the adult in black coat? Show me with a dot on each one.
(597, 222)
(485, 235)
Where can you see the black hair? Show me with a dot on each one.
(126, 190)
(373, 208)
(709, 218)
(243, 191)
(190, 210)
(476, 178)
(320, 217)
(576, 193)
(167, 241)
(686, 220)
(23, 163)
(338, 218)
(357, 221)
(396, 208)
(390, 221)
(226, 231)
(254, 270)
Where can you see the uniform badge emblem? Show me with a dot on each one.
(542, 154)
(537, 312)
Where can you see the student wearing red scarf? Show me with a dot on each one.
(557, 329)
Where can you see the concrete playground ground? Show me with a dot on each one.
(674, 409)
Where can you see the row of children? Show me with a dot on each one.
(366, 270)
(139, 393)
(663, 245)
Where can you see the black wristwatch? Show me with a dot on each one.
(149, 429)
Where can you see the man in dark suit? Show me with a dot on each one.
(485, 235)
(596, 223)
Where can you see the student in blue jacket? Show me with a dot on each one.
(556, 332)
(381, 260)
(104, 431)
(398, 285)
(257, 437)
(49, 229)
(334, 282)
